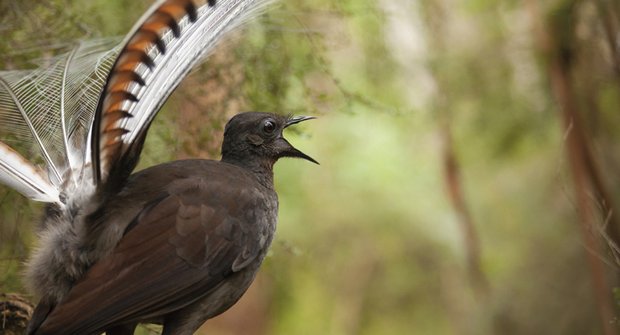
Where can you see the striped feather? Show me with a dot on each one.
(166, 43)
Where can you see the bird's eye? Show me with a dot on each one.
(269, 127)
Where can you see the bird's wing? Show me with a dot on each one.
(172, 37)
(178, 250)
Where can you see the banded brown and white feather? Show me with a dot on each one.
(166, 43)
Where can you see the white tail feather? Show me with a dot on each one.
(19, 174)
(51, 109)
(37, 138)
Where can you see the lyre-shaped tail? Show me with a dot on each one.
(86, 113)
(164, 45)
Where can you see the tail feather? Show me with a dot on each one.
(50, 110)
(21, 175)
(164, 45)
(30, 123)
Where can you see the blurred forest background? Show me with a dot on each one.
(470, 156)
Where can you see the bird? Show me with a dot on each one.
(185, 237)
(193, 247)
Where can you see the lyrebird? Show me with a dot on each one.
(176, 243)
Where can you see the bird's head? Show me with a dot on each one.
(257, 137)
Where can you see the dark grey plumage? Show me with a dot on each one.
(190, 237)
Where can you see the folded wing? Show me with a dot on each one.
(179, 250)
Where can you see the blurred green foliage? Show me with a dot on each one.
(368, 242)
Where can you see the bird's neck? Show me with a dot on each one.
(261, 168)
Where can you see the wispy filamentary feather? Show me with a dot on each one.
(48, 111)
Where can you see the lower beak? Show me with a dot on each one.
(291, 151)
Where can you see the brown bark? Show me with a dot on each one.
(434, 14)
(15, 312)
(452, 174)
(580, 162)
(611, 26)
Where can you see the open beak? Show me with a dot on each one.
(289, 150)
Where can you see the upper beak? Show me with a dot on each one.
(296, 119)
(292, 151)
